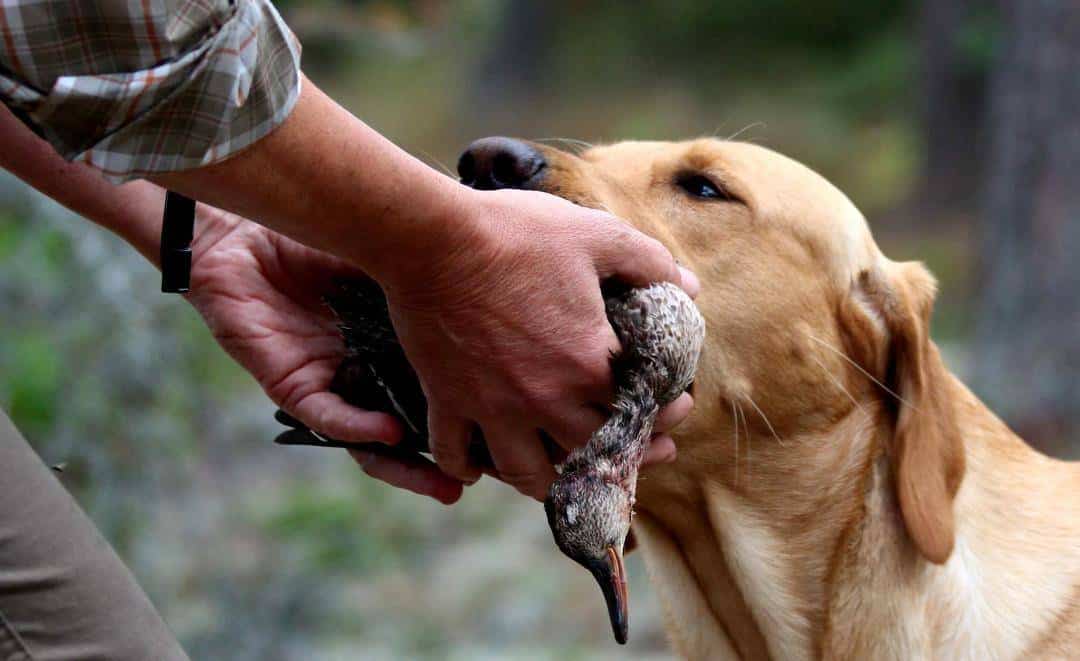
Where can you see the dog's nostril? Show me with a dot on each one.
(493, 163)
(466, 168)
(506, 169)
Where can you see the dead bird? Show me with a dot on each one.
(590, 505)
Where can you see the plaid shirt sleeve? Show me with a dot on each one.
(136, 87)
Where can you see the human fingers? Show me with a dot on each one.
(520, 457)
(329, 415)
(450, 436)
(410, 471)
(672, 415)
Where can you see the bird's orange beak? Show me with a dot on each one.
(611, 575)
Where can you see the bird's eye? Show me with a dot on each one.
(701, 186)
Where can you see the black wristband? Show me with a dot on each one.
(177, 232)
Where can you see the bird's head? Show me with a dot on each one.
(589, 516)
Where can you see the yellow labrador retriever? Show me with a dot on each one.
(838, 493)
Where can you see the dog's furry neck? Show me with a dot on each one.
(837, 577)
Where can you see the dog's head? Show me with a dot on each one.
(808, 323)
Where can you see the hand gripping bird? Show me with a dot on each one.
(590, 505)
(375, 375)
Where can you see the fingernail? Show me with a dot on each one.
(690, 282)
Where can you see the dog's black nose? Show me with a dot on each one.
(493, 163)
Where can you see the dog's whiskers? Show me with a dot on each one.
(836, 381)
(860, 368)
(747, 443)
(735, 418)
(603, 207)
(766, 419)
(442, 166)
(580, 144)
(745, 129)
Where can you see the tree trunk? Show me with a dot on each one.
(512, 73)
(1028, 335)
(953, 112)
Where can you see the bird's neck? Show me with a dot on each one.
(624, 438)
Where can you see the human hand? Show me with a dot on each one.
(261, 295)
(507, 329)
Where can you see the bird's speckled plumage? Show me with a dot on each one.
(590, 505)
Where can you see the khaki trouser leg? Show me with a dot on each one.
(64, 593)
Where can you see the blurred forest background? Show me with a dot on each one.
(953, 124)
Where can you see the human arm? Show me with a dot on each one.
(495, 295)
(260, 294)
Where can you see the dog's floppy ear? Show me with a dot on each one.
(926, 451)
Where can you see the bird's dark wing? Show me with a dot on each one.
(375, 375)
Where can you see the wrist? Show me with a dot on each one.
(436, 240)
(211, 226)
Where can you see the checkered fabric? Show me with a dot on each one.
(135, 87)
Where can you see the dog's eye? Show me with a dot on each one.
(701, 186)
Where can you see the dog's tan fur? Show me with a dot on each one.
(838, 493)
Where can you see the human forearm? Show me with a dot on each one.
(132, 210)
(330, 181)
